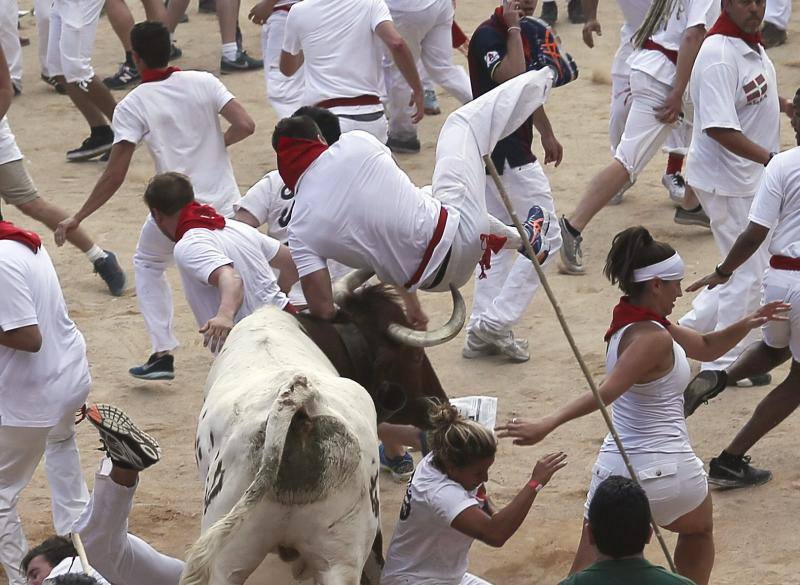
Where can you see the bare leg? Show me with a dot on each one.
(175, 10)
(228, 16)
(155, 10)
(93, 115)
(690, 200)
(101, 97)
(694, 553)
(121, 19)
(586, 555)
(123, 477)
(600, 191)
(757, 359)
(770, 412)
(47, 213)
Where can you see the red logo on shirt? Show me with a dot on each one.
(755, 90)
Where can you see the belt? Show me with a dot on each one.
(435, 239)
(371, 117)
(668, 53)
(784, 263)
(359, 100)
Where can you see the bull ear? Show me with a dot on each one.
(345, 286)
(448, 331)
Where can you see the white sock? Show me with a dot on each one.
(96, 253)
(229, 51)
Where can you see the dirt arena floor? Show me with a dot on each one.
(756, 529)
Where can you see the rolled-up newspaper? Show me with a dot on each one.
(482, 409)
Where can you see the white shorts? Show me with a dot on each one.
(783, 285)
(675, 483)
(73, 26)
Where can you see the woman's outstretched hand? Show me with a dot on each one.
(523, 432)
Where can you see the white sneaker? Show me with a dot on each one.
(504, 343)
(475, 347)
(676, 187)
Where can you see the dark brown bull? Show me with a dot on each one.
(372, 343)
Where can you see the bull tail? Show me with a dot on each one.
(201, 556)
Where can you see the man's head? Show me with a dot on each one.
(528, 7)
(40, 560)
(796, 116)
(296, 127)
(326, 121)
(619, 518)
(150, 44)
(746, 14)
(166, 194)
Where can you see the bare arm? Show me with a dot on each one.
(513, 63)
(592, 25)
(241, 124)
(405, 63)
(119, 161)
(687, 53)
(319, 294)
(246, 217)
(231, 296)
(289, 64)
(287, 270)
(6, 88)
(745, 246)
(28, 338)
(739, 144)
(553, 151)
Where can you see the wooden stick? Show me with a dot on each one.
(78, 543)
(565, 327)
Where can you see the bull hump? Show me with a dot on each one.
(319, 455)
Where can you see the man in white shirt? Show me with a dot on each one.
(44, 379)
(660, 69)
(736, 130)
(776, 208)
(355, 205)
(225, 266)
(176, 113)
(341, 44)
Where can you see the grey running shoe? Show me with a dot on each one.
(398, 146)
(475, 347)
(243, 62)
(736, 476)
(124, 443)
(571, 253)
(705, 386)
(504, 343)
(431, 103)
(696, 217)
(675, 185)
(110, 271)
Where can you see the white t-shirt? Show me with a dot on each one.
(687, 13)
(777, 203)
(341, 50)
(425, 549)
(201, 251)
(633, 12)
(9, 151)
(71, 565)
(356, 206)
(178, 118)
(38, 389)
(732, 86)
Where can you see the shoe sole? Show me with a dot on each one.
(694, 399)
(124, 441)
(500, 351)
(473, 354)
(732, 484)
(566, 269)
(154, 375)
(692, 221)
(432, 111)
(89, 155)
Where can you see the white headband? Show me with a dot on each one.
(669, 269)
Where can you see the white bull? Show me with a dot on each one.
(288, 452)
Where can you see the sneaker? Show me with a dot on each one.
(504, 343)
(536, 226)
(399, 146)
(736, 476)
(759, 380)
(124, 442)
(705, 386)
(17, 87)
(475, 347)
(90, 148)
(243, 62)
(431, 103)
(571, 253)
(692, 217)
(51, 81)
(156, 368)
(575, 12)
(175, 52)
(109, 270)
(617, 198)
(772, 36)
(675, 186)
(126, 76)
(401, 468)
(549, 12)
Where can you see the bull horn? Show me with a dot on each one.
(345, 286)
(446, 332)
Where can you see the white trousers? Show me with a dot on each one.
(42, 10)
(428, 35)
(378, 128)
(21, 449)
(120, 557)
(459, 177)
(150, 261)
(501, 298)
(722, 306)
(285, 94)
(9, 38)
(73, 26)
(778, 13)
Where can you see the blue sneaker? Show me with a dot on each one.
(156, 368)
(401, 468)
(536, 226)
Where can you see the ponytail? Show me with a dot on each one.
(456, 441)
(631, 249)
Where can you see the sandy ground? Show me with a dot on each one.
(755, 529)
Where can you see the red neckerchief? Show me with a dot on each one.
(725, 26)
(295, 155)
(157, 74)
(8, 231)
(626, 313)
(197, 215)
(498, 22)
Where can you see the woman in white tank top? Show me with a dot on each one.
(647, 371)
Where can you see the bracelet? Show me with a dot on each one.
(510, 28)
(720, 273)
(771, 154)
(535, 486)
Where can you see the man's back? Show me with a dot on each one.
(629, 571)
